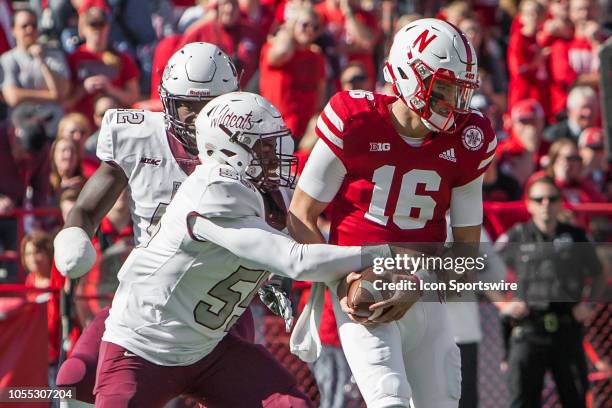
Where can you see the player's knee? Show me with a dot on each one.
(391, 391)
(293, 398)
(71, 372)
(76, 372)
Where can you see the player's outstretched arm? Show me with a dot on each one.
(320, 181)
(261, 246)
(302, 217)
(74, 253)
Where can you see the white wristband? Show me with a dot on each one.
(74, 252)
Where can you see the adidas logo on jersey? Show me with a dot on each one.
(449, 155)
(380, 147)
(148, 160)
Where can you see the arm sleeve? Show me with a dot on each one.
(331, 124)
(230, 199)
(466, 204)
(323, 173)
(261, 246)
(478, 156)
(105, 149)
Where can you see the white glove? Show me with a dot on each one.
(74, 252)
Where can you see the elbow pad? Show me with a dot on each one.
(74, 252)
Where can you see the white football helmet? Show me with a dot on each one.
(195, 74)
(247, 132)
(434, 70)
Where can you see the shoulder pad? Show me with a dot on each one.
(230, 196)
(122, 129)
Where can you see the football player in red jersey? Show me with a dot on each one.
(392, 167)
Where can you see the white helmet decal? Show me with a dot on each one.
(247, 132)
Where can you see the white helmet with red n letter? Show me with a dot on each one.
(434, 70)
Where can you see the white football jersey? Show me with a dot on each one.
(181, 291)
(177, 290)
(136, 141)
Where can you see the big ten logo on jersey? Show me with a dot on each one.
(380, 147)
(133, 117)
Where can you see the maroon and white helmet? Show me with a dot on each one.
(434, 70)
(198, 72)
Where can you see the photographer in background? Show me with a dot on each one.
(552, 261)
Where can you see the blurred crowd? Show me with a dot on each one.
(65, 62)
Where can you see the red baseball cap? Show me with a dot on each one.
(86, 5)
(592, 137)
(527, 109)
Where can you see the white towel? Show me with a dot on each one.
(305, 342)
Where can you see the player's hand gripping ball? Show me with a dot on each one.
(369, 297)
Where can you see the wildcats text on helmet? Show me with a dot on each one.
(221, 115)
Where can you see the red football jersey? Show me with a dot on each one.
(394, 192)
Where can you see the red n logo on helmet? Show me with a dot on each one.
(423, 41)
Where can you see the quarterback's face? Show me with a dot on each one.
(443, 97)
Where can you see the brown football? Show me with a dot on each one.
(362, 294)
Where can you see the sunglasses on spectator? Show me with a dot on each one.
(98, 24)
(551, 199)
(356, 78)
(573, 157)
(78, 130)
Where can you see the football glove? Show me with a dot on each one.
(278, 302)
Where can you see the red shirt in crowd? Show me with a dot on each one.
(333, 21)
(568, 60)
(241, 42)
(294, 87)
(261, 19)
(85, 63)
(515, 160)
(56, 283)
(525, 81)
